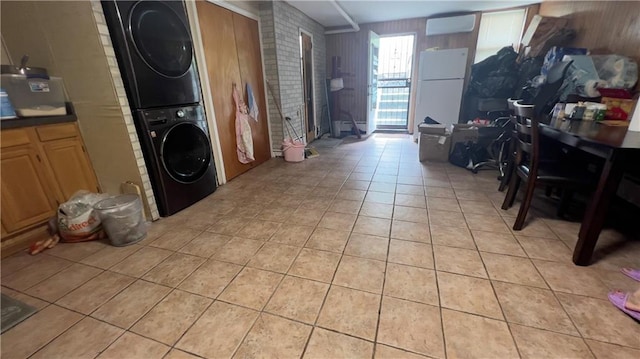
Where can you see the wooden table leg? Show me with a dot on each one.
(594, 217)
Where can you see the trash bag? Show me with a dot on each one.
(77, 220)
(460, 155)
(496, 76)
(528, 69)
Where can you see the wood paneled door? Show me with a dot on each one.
(232, 52)
(306, 48)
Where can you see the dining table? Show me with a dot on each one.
(620, 150)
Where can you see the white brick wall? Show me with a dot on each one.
(124, 105)
(281, 24)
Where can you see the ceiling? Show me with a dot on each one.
(365, 11)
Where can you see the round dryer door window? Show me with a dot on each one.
(161, 38)
(185, 152)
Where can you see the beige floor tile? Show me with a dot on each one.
(175, 239)
(366, 246)
(25, 338)
(481, 222)
(617, 280)
(142, 261)
(534, 227)
(238, 250)
(171, 318)
(179, 354)
(88, 297)
(274, 337)
(345, 206)
(470, 336)
(174, 269)
(86, 339)
(413, 180)
(410, 190)
(110, 255)
(131, 304)
(411, 231)
(411, 283)
(411, 253)
(378, 210)
(570, 278)
(251, 288)
(409, 200)
(477, 207)
(468, 294)
(410, 214)
(351, 312)
(385, 178)
(228, 225)
(276, 213)
(438, 191)
(17, 261)
(211, 278)
(452, 236)
(326, 344)
(535, 343)
(512, 269)
(379, 197)
(447, 219)
(604, 350)
(275, 257)
(545, 249)
(205, 244)
(360, 273)
(77, 251)
(35, 273)
(27, 299)
(63, 282)
(351, 194)
(219, 331)
(459, 260)
(472, 194)
(533, 307)
(599, 320)
(501, 243)
(360, 185)
(298, 299)
(291, 234)
(443, 204)
(249, 210)
(287, 200)
(411, 326)
(202, 220)
(373, 226)
(130, 345)
(328, 240)
(316, 203)
(386, 352)
(382, 187)
(315, 264)
(259, 230)
(337, 221)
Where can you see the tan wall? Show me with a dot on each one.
(63, 37)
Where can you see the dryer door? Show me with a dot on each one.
(161, 38)
(185, 152)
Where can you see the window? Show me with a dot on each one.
(497, 30)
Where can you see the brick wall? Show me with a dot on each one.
(281, 24)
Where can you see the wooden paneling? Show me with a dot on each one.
(602, 26)
(16, 137)
(232, 50)
(69, 166)
(56, 132)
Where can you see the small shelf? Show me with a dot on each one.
(41, 120)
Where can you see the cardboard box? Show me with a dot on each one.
(540, 30)
(432, 129)
(463, 133)
(434, 147)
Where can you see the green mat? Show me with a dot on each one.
(13, 312)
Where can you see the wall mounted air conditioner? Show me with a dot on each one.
(451, 25)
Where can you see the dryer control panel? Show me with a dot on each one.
(165, 116)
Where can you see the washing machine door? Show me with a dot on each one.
(185, 152)
(161, 38)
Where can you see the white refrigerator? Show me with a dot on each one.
(440, 85)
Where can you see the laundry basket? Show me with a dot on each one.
(122, 219)
(293, 150)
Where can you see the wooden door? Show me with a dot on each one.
(26, 197)
(307, 85)
(232, 51)
(70, 168)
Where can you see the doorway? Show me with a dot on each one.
(394, 82)
(306, 57)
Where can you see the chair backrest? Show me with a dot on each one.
(527, 136)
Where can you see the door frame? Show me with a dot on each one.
(313, 83)
(207, 98)
(370, 127)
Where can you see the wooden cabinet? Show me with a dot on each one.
(41, 167)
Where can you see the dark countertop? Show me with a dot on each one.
(35, 121)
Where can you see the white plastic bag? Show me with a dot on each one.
(77, 220)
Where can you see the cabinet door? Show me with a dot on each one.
(26, 198)
(70, 166)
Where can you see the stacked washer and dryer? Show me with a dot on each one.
(155, 55)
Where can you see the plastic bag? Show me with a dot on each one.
(617, 71)
(77, 220)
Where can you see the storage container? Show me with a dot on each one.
(122, 219)
(293, 151)
(33, 97)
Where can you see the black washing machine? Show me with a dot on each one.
(155, 52)
(178, 154)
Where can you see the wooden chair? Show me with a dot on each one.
(511, 147)
(528, 167)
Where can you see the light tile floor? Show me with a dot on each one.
(362, 252)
